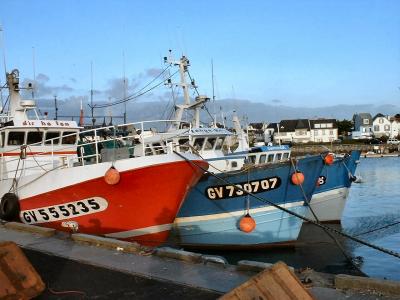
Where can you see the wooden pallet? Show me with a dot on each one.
(277, 282)
(18, 278)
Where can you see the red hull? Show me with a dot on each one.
(145, 197)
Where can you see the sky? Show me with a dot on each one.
(294, 53)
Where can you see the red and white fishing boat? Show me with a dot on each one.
(49, 178)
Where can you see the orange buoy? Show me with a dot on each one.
(329, 158)
(112, 176)
(297, 178)
(247, 224)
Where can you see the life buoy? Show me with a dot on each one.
(9, 207)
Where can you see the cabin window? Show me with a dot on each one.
(234, 164)
(270, 158)
(252, 159)
(210, 142)
(2, 139)
(278, 156)
(34, 137)
(183, 144)
(52, 137)
(69, 138)
(263, 157)
(219, 143)
(16, 138)
(158, 149)
(148, 150)
(285, 155)
(198, 144)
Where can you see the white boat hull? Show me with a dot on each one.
(328, 206)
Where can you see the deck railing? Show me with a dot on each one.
(123, 135)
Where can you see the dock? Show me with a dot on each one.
(87, 266)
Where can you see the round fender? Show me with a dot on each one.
(9, 207)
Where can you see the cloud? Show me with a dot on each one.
(42, 88)
(153, 72)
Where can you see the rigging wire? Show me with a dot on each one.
(194, 86)
(139, 93)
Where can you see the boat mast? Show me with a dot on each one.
(213, 94)
(183, 64)
(123, 66)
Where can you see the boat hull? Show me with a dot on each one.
(140, 207)
(328, 206)
(209, 217)
(274, 228)
(329, 198)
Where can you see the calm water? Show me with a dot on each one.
(371, 204)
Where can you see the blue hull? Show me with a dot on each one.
(337, 175)
(329, 198)
(210, 214)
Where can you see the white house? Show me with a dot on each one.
(293, 131)
(323, 130)
(381, 126)
(395, 126)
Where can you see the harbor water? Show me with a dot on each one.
(372, 204)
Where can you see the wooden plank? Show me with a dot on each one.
(277, 282)
(18, 278)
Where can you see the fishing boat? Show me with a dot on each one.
(47, 179)
(217, 211)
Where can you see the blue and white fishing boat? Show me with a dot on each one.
(212, 214)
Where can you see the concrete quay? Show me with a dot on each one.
(75, 266)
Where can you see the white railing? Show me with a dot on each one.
(53, 147)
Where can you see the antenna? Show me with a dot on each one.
(91, 92)
(123, 66)
(4, 50)
(213, 92)
(34, 73)
(55, 108)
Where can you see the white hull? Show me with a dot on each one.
(328, 206)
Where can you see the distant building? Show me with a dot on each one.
(270, 131)
(293, 131)
(323, 130)
(362, 126)
(381, 126)
(305, 130)
(395, 126)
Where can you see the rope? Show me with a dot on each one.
(377, 229)
(326, 228)
(347, 256)
(133, 96)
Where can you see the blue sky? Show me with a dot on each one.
(297, 53)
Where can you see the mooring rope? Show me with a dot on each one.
(318, 224)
